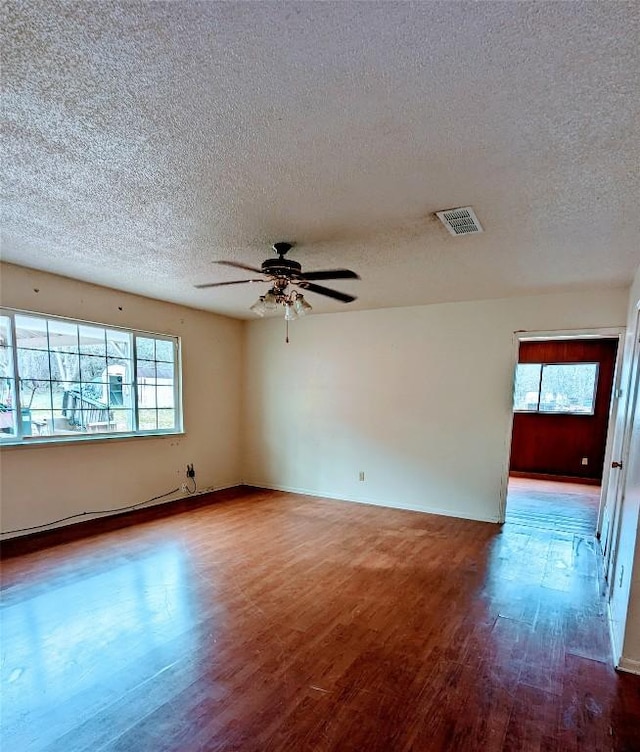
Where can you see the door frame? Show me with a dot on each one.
(630, 393)
(523, 335)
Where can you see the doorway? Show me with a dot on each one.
(559, 442)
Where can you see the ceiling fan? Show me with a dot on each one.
(282, 272)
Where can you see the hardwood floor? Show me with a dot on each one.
(276, 623)
(551, 505)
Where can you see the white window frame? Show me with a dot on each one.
(20, 439)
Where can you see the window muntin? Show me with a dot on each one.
(8, 415)
(556, 388)
(65, 379)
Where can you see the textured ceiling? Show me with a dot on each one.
(143, 141)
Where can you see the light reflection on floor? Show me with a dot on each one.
(90, 632)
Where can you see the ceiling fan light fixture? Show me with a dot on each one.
(290, 312)
(270, 301)
(259, 308)
(300, 306)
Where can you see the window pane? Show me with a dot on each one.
(63, 336)
(65, 366)
(98, 421)
(7, 393)
(58, 389)
(5, 331)
(118, 344)
(6, 363)
(525, 393)
(33, 364)
(8, 423)
(72, 403)
(568, 388)
(122, 420)
(92, 368)
(145, 348)
(8, 418)
(61, 426)
(36, 422)
(31, 332)
(145, 369)
(94, 393)
(35, 394)
(166, 419)
(164, 396)
(164, 350)
(164, 371)
(117, 389)
(92, 340)
(146, 392)
(147, 420)
(121, 365)
(6, 354)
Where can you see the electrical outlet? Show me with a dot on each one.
(361, 476)
(183, 488)
(585, 460)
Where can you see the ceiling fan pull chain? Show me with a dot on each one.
(286, 339)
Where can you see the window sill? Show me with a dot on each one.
(40, 441)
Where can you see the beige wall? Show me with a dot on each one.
(40, 484)
(625, 578)
(419, 399)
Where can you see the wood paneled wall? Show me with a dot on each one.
(555, 444)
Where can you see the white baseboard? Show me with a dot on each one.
(371, 502)
(629, 665)
(615, 650)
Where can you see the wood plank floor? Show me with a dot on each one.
(551, 505)
(276, 623)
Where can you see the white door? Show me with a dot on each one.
(620, 455)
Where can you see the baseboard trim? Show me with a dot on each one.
(372, 502)
(54, 535)
(628, 665)
(612, 637)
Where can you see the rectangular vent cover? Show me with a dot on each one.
(461, 221)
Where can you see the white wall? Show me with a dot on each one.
(43, 483)
(417, 398)
(624, 605)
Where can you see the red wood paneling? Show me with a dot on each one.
(556, 444)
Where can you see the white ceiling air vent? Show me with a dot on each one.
(461, 221)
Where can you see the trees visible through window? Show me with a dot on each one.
(556, 388)
(62, 378)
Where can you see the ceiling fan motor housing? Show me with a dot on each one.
(281, 267)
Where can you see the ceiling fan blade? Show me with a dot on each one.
(238, 265)
(343, 297)
(222, 284)
(330, 274)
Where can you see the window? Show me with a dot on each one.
(64, 379)
(556, 388)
